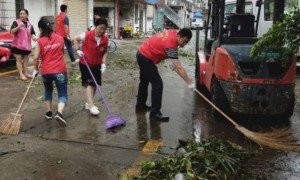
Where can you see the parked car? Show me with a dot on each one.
(5, 46)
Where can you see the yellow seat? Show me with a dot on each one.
(128, 28)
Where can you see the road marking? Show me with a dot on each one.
(8, 72)
(147, 153)
(12, 71)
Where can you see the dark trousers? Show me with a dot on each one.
(68, 45)
(149, 74)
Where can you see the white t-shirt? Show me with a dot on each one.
(97, 39)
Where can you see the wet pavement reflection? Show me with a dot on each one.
(190, 118)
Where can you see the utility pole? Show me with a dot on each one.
(160, 14)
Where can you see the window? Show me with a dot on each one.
(19, 5)
(249, 8)
(269, 10)
(289, 5)
(231, 8)
(136, 14)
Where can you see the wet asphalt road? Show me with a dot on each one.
(85, 150)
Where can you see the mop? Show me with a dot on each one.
(112, 120)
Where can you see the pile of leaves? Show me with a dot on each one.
(210, 159)
(281, 34)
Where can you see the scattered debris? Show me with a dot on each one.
(210, 159)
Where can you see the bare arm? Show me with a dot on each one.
(104, 57)
(76, 42)
(33, 37)
(66, 28)
(181, 71)
(36, 58)
(14, 30)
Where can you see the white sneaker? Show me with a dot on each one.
(94, 110)
(75, 62)
(87, 106)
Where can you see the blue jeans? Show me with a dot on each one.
(61, 82)
(68, 45)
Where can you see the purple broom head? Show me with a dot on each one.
(114, 121)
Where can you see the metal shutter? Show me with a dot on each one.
(78, 16)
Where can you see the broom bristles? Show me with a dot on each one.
(11, 125)
(280, 139)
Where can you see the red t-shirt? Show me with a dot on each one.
(161, 46)
(60, 24)
(51, 51)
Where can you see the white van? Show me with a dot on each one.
(197, 22)
(266, 15)
(265, 19)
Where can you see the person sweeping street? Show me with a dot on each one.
(94, 50)
(50, 49)
(159, 47)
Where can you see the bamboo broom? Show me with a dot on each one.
(12, 124)
(280, 139)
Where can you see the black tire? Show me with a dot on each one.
(150, 33)
(201, 88)
(290, 108)
(112, 46)
(219, 99)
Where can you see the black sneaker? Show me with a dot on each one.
(60, 119)
(48, 115)
(159, 117)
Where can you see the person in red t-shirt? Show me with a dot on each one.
(63, 29)
(94, 49)
(161, 46)
(50, 49)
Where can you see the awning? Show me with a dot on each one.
(198, 15)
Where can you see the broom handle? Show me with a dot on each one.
(25, 95)
(214, 106)
(97, 86)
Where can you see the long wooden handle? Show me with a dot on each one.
(214, 106)
(25, 95)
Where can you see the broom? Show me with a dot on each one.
(280, 139)
(112, 120)
(13, 123)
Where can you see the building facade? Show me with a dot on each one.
(9, 11)
(183, 8)
(119, 13)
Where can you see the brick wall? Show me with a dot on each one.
(78, 16)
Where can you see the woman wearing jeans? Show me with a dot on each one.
(53, 68)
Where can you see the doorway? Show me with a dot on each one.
(102, 11)
(141, 20)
